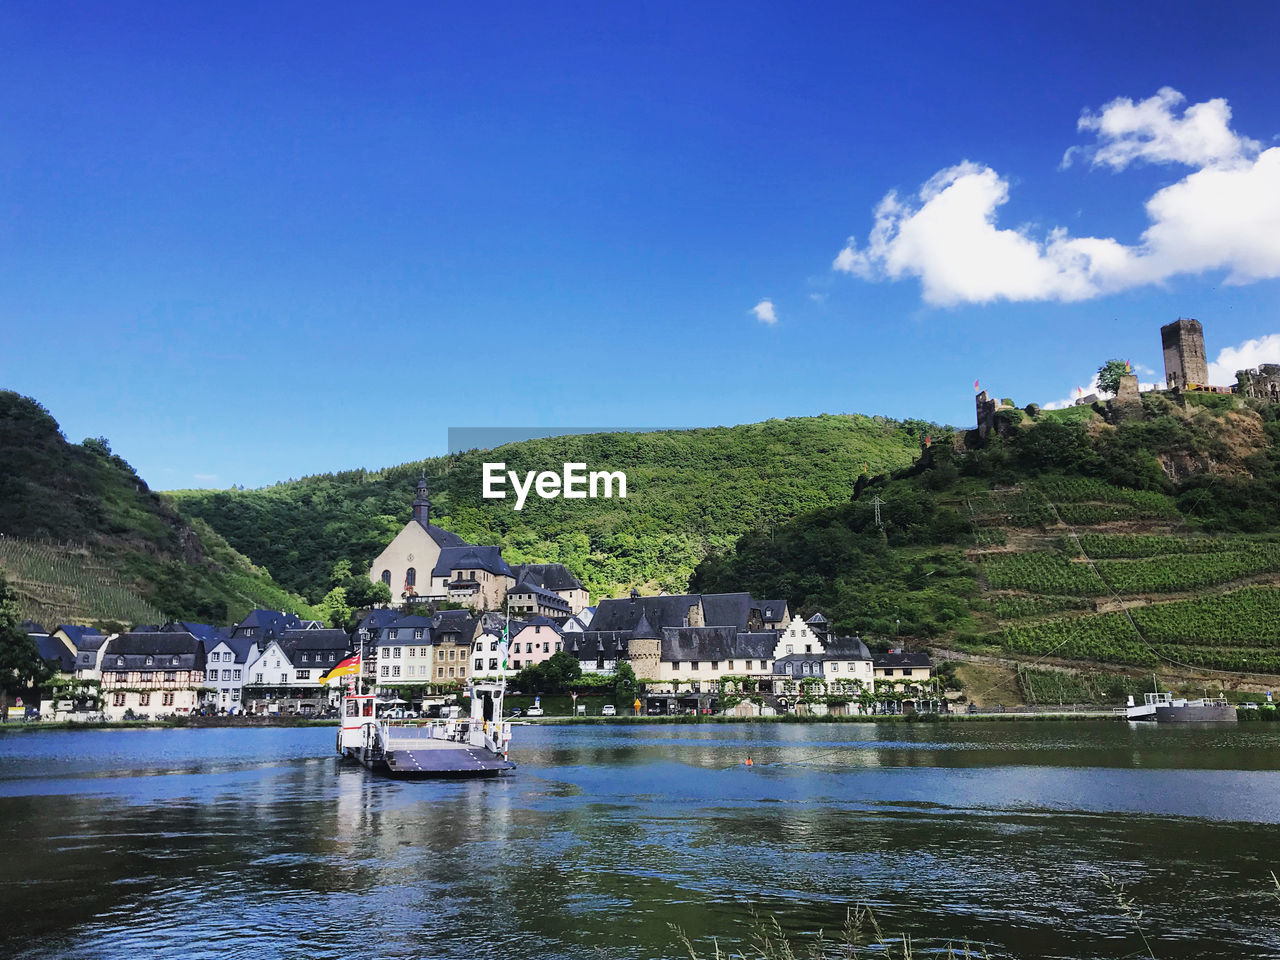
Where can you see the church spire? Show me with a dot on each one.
(421, 502)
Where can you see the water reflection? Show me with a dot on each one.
(257, 843)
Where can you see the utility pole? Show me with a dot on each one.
(878, 503)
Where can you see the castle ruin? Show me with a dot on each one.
(1184, 362)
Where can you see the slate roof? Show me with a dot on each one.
(324, 647)
(269, 624)
(546, 596)
(453, 626)
(728, 609)
(443, 538)
(78, 636)
(535, 622)
(625, 613)
(466, 557)
(51, 650)
(162, 648)
(887, 660)
(549, 576)
(772, 610)
(239, 646)
(716, 643)
(609, 646)
(846, 648)
(375, 619)
(30, 626)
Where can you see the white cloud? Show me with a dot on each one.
(205, 477)
(818, 297)
(1148, 130)
(1223, 216)
(1247, 356)
(764, 312)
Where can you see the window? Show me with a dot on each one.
(793, 631)
(440, 671)
(386, 577)
(118, 700)
(167, 700)
(257, 678)
(730, 667)
(675, 665)
(715, 664)
(808, 648)
(906, 673)
(236, 676)
(395, 653)
(790, 649)
(213, 674)
(852, 667)
(174, 661)
(386, 671)
(303, 675)
(450, 671)
(284, 678)
(516, 664)
(395, 671)
(693, 664)
(546, 647)
(479, 664)
(226, 674)
(888, 672)
(119, 661)
(462, 670)
(235, 695)
(332, 657)
(417, 633)
(150, 661)
(493, 645)
(144, 699)
(171, 675)
(393, 634)
(493, 663)
(410, 578)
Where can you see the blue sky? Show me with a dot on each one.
(248, 244)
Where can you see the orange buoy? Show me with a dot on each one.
(750, 763)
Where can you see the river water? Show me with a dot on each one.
(260, 843)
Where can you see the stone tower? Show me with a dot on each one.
(646, 650)
(1184, 363)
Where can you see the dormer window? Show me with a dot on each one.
(174, 661)
(149, 661)
(119, 661)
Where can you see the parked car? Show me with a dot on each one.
(516, 711)
(1248, 705)
(609, 710)
(533, 712)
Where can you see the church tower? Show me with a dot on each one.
(422, 503)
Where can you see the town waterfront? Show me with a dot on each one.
(252, 843)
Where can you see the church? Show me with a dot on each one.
(425, 562)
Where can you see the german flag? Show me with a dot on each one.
(345, 668)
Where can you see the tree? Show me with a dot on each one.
(560, 671)
(362, 593)
(624, 684)
(334, 608)
(1109, 375)
(20, 665)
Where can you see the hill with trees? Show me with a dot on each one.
(688, 492)
(1150, 543)
(84, 539)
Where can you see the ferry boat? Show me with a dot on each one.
(1166, 708)
(476, 746)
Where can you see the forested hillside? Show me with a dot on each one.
(82, 537)
(688, 491)
(1148, 543)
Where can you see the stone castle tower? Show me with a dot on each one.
(1184, 363)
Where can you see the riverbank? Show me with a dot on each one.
(176, 723)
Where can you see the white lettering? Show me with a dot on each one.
(521, 492)
(493, 477)
(548, 485)
(608, 479)
(575, 483)
(573, 474)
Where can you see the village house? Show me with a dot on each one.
(454, 633)
(148, 675)
(475, 576)
(226, 667)
(405, 652)
(285, 676)
(553, 578)
(533, 641)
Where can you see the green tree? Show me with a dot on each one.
(20, 665)
(334, 608)
(560, 671)
(1109, 375)
(362, 594)
(624, 685)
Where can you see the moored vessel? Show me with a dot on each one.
(1166, 708)
(474, 746)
